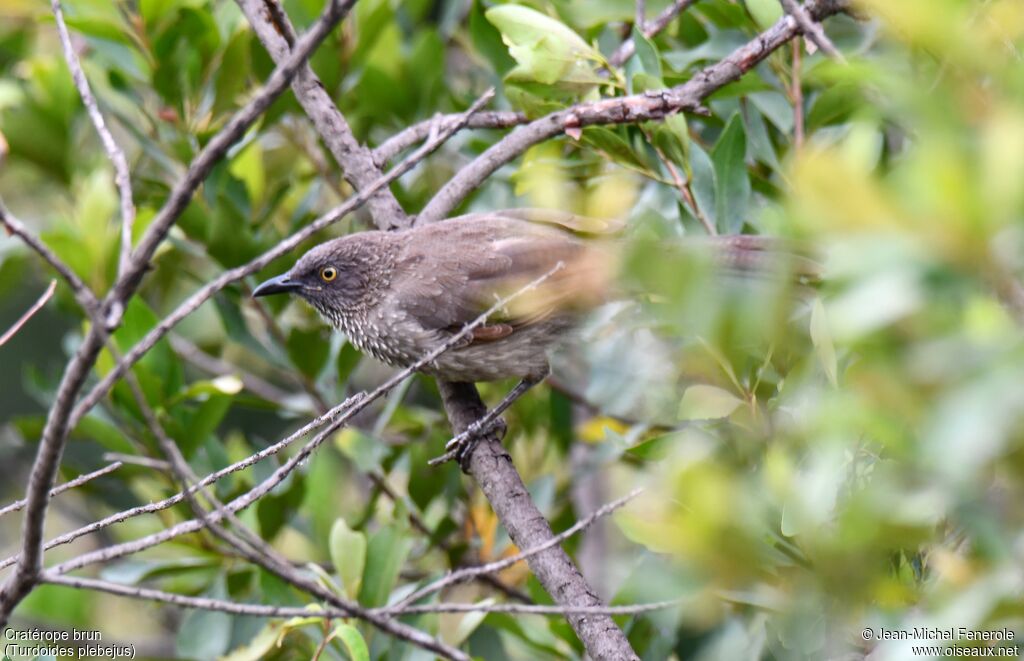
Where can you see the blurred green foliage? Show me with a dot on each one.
(816, 461)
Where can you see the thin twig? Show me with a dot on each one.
(683, 186)
(213, 365)
(136, 460)
(254, 549)
(70, 484)
(206, 603)
(85, 297)
(534, 609)
(399, 142)
(328, 612)
(121, 173)
(469, 573)
(203, 603)
(648, 28)
(36, 307)
(149, 508)
(812, 29)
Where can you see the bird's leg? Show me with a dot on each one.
(461, 447)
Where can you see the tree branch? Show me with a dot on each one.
(213, 365)
(122, 178)
(812, 29)
(275, 32)
(70, 484)
(492, 468)
(652, 105)
(85, 297)
(469, 573)
(23, 319)
(254, 549)
(399, 142)
(51, 446)
(648, 29)
(538, 609)
(205, 603)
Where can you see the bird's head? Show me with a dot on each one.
(336, 277)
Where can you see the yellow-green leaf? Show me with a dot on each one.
(702, 402)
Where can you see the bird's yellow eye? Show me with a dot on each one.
(328, 273)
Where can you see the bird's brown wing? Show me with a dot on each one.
(448, 273)
(553, 217)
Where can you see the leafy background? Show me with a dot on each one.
(816, 462)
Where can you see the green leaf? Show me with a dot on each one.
(468, 623)
(348, 553)
(261, 645)
(834, 105)
(732, 184)
(386, 553)
(366, 451)
(704, 402)
(110, 28)
(652, 449)
(109, 436)
(348, 359)
(764, 12)
(646, 54)
(203, 422)
(641, 82)
(614, 145)
(704, 181)
(672, 137)
(277, 508)
(353, 641)
(233, 72)
(205, 634)
(308, 350)
(487, 40)
(159, 372)
(545, 50)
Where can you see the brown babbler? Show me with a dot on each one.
(399, 295)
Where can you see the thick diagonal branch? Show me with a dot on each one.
(652, 105)
(492, 468)
(276, 33)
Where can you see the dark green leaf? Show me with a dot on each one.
(385, 556)
(732, 184)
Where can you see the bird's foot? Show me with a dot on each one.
(461, 447)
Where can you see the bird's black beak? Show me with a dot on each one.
(279, 285)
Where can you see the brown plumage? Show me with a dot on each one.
(398, 295)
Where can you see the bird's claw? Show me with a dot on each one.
(461, 447)
(461, 439)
